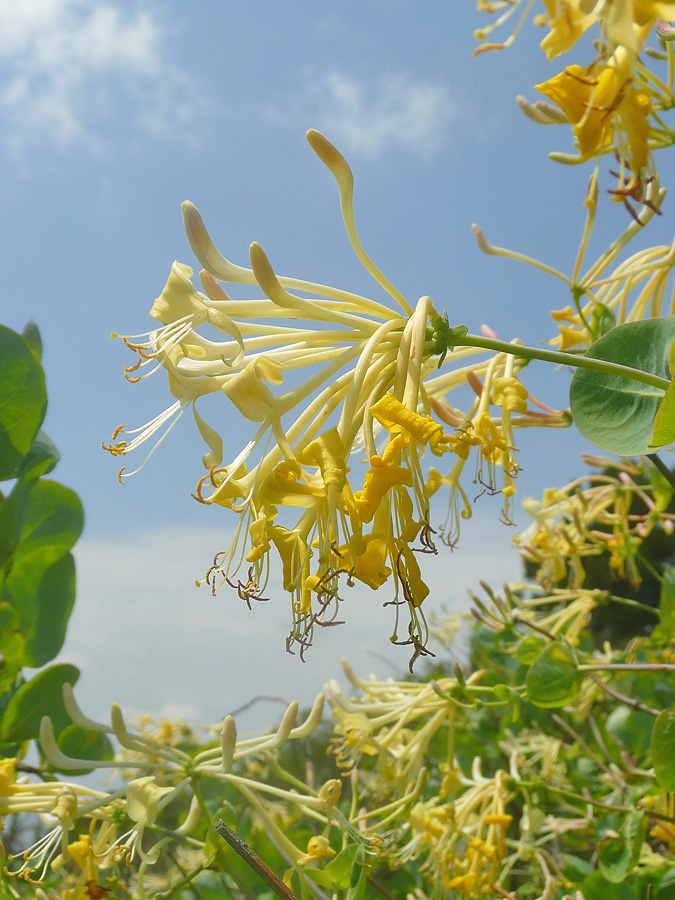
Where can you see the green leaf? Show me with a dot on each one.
(339, 869)
(596, 887)
(634, 829)
(617, 414)
(575, 868)
(81, 744)
(31, 336)
(54, 520)
(358, 891)
(529, 649)
(40, 459)
(667, 886)
(618, 855)
(12, 515)
(216, 851)
(664, 423)
(631, 728)
(43, 594)
(39, 579)
(663, 750)
(602, 320)
(23, 400)
(553, 679)
(41, 696)
(662, 491)
(665, 630)
(614, 858)
(12, 641)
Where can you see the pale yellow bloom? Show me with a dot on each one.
(365, 382)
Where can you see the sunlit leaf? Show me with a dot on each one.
(41, 696)
(614, 413)
(40, 459)
(23, 400)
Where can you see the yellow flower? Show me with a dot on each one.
(568, 20)
(317, 848)
(7, 776)
(604, 108)
(321, 372)
(385, 472)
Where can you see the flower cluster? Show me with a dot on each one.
(361, 376)
(614, 102)
(100, 838)
(611, 511)
(613, 289)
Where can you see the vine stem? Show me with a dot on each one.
(629, 667)
(252, 859)
(534, 785)
(663, 468)
(566, 359)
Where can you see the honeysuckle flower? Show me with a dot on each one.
(318, 848)
(605, 110)
(464, 841)
(320, 372)
(611, 290)
(588, 517)
(625, 24)
(485, 432)
(158, 773)
(144, 800)
(567, 21)
(62, 802)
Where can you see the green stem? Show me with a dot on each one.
(663, 468)
(624, 601)
(629, 667)
(572, 795)
(566, 359)
(649, 567)
(541, 785)
(186, 880)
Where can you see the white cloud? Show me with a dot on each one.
(370, 118)
(145, 637)
(68, 66)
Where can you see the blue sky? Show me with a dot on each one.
(111, 114)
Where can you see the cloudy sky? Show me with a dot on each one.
(112, 112)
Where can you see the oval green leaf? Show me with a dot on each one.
(614, 858)
(40, 459)
(41, 696)
(553, 679)
(43, 594)
(529, 649)
(53, 520)
(664, 423)
(618, 414)
(663, 750)
(81, 744)
(23, 400)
